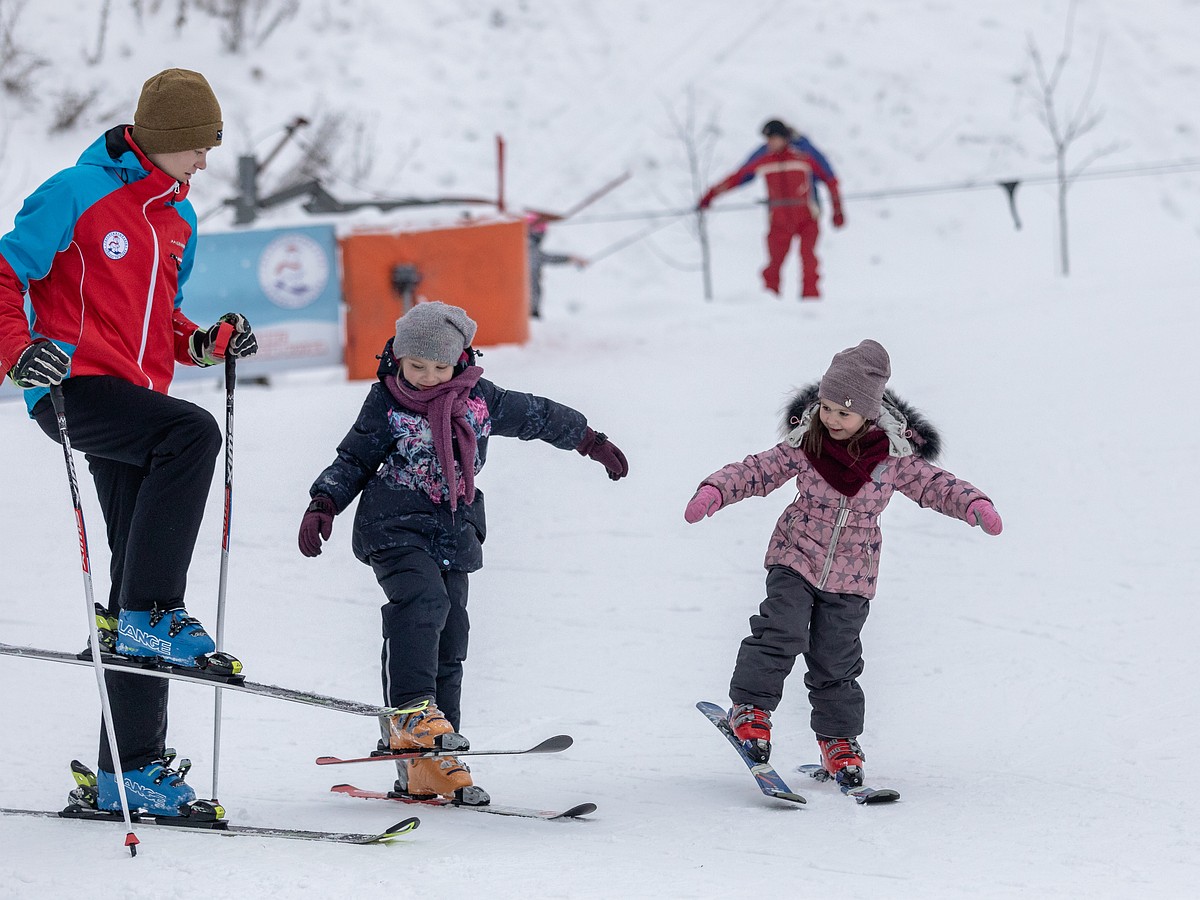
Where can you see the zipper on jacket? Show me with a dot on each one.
(843, 515)
(153, 278)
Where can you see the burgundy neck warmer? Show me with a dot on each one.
(445, 406)
(847, 473)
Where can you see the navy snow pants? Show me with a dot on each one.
(796, 619)
(152, 458)
(425, 629)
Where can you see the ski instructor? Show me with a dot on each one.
(101, 251)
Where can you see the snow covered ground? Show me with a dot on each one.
(1032, 696)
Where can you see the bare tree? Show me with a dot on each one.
(1065, 124)
(17, 64)
(69, 107)
(698, 141)
(247, 22)
(102, 32)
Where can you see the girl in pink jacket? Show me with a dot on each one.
(850, 447)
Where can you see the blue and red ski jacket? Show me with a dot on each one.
(101, 251)
(791, 175)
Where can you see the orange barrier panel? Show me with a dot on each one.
(482, 268)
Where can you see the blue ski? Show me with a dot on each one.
(861, 793)
(769, 781)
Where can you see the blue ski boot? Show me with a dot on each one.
(172, 636)
(155, 788)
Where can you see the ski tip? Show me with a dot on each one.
(575, 812)
(787, 795)
(327, 760)
(877, 795)
(553, 744)
(343, 788)
(412, 823)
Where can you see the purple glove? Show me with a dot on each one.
(316, 524)
(982, 513)
(706, 502)
(596, 445)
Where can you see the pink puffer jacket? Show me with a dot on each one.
(830, 539)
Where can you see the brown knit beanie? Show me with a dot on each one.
(177, 111)
(856, 379)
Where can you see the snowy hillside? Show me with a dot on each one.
(1032, 696)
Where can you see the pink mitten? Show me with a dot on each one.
(706, 502)
(983, 514)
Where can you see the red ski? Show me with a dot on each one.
(574, 812)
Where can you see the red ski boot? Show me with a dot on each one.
(843, 759)
(752, 726)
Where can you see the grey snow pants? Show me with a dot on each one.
(796, 619)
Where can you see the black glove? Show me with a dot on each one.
(243, 343)
(596, 445)
(230, 336)
(41, 364)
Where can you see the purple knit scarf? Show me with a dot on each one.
(445, 406)
(844, 471)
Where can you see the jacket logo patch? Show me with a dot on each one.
(116, 245)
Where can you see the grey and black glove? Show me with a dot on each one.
(230, 336)
(42, 364)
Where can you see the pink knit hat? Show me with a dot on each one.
(856, 379)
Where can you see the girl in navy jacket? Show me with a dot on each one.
(413, 453)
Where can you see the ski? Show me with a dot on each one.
(575, 812)
(861, 793)
(157, 669)
(220, 826)
(555, 744)
(769, 781)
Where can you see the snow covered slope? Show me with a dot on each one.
(1031, 696)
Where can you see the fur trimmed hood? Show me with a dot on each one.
(908, 431)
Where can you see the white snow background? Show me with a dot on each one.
(1032, 696)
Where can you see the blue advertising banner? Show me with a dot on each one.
(284, 281)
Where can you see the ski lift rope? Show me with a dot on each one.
(1008, 184)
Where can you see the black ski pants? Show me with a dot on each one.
(425, 629)
(152, 458)
(794, 619)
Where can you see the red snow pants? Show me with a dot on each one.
(779, 240)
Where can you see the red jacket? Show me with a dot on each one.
(791, 190)
(103, 249)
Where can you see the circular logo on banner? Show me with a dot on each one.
(116, 245)
(293, 271)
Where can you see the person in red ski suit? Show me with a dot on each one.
(791, 166)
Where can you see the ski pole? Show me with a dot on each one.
(230, 382)
(56, 398)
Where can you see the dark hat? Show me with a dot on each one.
(775, 128)
(856, 379)
(177, 111)
(433, 330)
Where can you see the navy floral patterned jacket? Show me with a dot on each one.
(388, 457)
